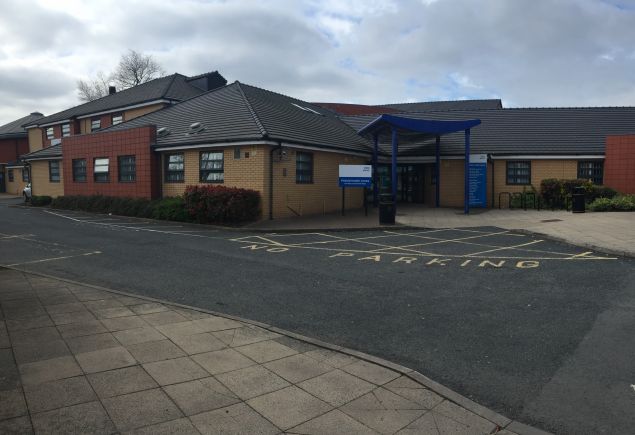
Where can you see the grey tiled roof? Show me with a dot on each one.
(239, 112)
(570, 131)
(434, 106)
(16, 128)
(44, 153)
(173, 87)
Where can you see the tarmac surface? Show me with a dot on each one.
(539, 331)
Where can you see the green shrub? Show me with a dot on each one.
(220, 204)
(166, 208)
(171, 209)
(596, 192)
(40, 200)
(555, 192)
(617, 203)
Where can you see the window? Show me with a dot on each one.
(127, 169)
(117, 119)
(591, 170)
(95, 124)
(174, 168)
(212, 167)
(79, 170)
(303, 168)
(25, 175)
(11, 175)
(54, 171)
(237, 153)
(66, 130)
(101, 170)
(519, 172)
(50, 133)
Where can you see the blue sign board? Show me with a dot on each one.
(355, 175)
(478, 180)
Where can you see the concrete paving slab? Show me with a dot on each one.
(16, 426)
(105, 359)
(181, 426)
(121, 381)
(173, 371)
(198, 343)
(138, 335)
(84, 418)
(297, 368)
(163, 317)
(48, 370)
(221, 361)
(201, 395)
(140, 409)
(58, 394)
(332, 423)
(89, 343)
(370, 372)
(79, 329)
(151, 351)
(237, 419)
(336, 387)
(12, 403)
(123, 323)
(252, 381)
(289, 407)
(266, 351)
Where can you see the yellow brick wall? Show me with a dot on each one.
(248, 173)
(134, 113)
(322, 196)
(540, 170)
(40, 180)
(14, 187)
(35, 139)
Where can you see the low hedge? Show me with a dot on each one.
(202, 204)
(617, 203)
(40, 200)
(220, 204)
(554, 191)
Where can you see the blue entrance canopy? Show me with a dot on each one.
(417, 130)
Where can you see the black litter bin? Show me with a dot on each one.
(577, 200)
(386, 209)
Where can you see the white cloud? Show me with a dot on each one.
(530, 53)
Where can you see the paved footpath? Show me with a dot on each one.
(78, 359)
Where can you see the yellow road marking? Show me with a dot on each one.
(54, 259)
(505, 247)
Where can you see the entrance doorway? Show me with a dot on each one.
(410, 182)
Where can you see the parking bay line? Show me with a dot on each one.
(43, 260)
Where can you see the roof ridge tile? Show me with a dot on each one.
(257, 120)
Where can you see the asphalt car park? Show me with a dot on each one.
(537, 330)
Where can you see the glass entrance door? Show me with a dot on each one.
(409, 182)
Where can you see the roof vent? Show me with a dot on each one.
(163, 132)
(196, 127)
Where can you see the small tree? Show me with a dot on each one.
(134, 68)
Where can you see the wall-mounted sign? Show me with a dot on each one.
(356, 175)
(478, 180)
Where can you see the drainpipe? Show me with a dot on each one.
(274, 149)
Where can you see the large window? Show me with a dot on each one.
(54, 171)
(50, 133)
(25, 175)
(211, 167)
(95, 124)
(303, 168)
(10, 173)
(518, 172)
(591, 170)
(127, 169)
(117, 119)
(66, 130)
(101, 169)
(79, 170)
(174, 168)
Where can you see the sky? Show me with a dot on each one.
(529, 53)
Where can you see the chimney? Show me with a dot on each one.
(111, 90)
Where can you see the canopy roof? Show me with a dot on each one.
(412, 130)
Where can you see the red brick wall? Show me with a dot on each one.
(11, 149)
(619, 163)
(135, 141)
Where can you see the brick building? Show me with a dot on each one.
(290, 150)
(14, 143)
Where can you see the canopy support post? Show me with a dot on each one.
(437, 190)
(466, 195)
(375, 171)
(394, 167)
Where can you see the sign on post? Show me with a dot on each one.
(478, 180)
(356, 175)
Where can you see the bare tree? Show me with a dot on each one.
(134, 68)
(93, 89)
